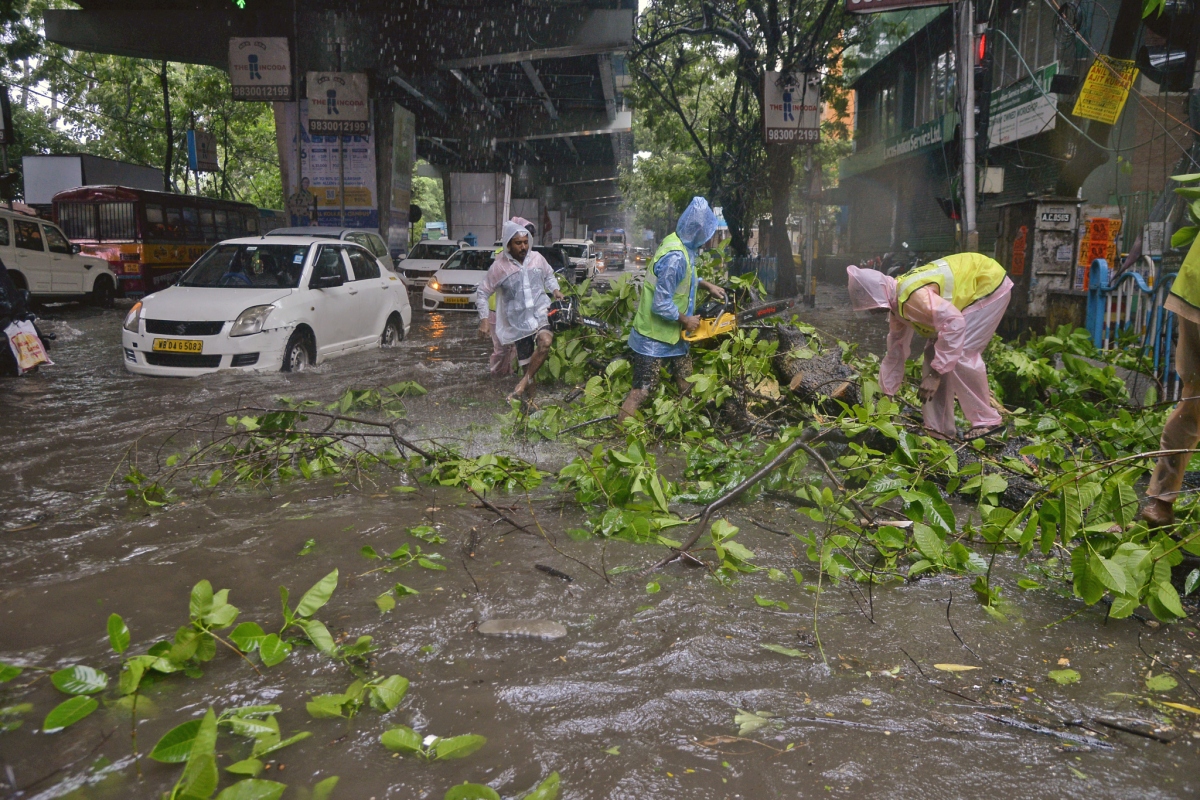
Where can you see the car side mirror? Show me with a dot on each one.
(326, 282)
(76, 249)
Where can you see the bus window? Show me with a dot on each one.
(117, 222)
(222, 224)
(191, 224)
(155, 226)
(207, 227)
(174, 223)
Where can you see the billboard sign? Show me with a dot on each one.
(202, 151)
(791, 107)
(1024, 109)
(260, 68)
(337, 104)
(876, 6)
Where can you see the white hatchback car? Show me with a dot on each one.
(282, 302)
(424, 259)
(453, 286)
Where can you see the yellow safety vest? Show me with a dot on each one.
(1187, 283)
(961, 279)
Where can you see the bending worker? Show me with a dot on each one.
(956, 303)
(1182, 429)
(522, 280)
(667, 307)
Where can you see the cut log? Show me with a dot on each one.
(815, 373)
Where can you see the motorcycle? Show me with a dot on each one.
(894, 264)
(14, 308)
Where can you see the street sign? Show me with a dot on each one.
(260, 68)
(1105, 89)
(337, 103)
(791, 107)
(202, 151)
(875, 6)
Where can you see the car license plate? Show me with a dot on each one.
(456, 301)
(179, 345)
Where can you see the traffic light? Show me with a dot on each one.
(1168, 56)
(983, 91)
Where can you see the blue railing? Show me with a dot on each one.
(1132, 306)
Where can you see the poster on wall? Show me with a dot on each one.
(316, 200)
(404, 150)
(337, 103)
(260, 68)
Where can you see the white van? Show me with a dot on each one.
(582, 254)
(41, 260)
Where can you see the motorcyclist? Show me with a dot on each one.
(13, 308)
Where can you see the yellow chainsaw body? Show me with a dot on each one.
(725, 322)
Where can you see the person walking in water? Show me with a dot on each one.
(523, 280)
(667, 307)
(956, 303)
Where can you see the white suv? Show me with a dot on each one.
(41, 260)
(582, 254)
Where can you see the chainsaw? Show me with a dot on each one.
(564, 315)
(718, 317)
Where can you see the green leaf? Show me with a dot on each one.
(1028, 585)
(1167, 601)
(261, 749)
(176, 744)
(68, 712)
(273, 650)
(387, 694)
(784, 651)
(201, 601)
(118, 634)
(317, 596)
(79, 680)
(324, 789)
(928, 542)
(457, 746)
(1184, 235)
(403, 591)
(1123, 607)
(385, 602)
(1108, 572)
(652, 587)
(318, 634)
(546, 790)
(401, 739)
(8, 672)
(253, 789)
(327, 706)
(471, 791)
(248, 636)
(247, 766)
(1087, 586)
(1064, 676)
(1161, 683)
(1193, 579)
(309, 546)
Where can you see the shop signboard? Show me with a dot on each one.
(202, 151)
(1024, 109)
(791, 107)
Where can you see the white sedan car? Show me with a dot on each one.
(453, 286)
(424, 259)
(267, 303)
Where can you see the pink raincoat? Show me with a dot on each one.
(955, 352)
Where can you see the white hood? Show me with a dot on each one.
(190, 303)
(471, 277)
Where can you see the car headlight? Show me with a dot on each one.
(251, 320)
(133, 318)
(434, 284)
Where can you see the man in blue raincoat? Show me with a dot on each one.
(667, 307)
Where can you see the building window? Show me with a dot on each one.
(935, 88)
(1029, 26)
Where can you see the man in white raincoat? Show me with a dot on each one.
(521, 280)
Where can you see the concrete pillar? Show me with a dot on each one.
(478, 203)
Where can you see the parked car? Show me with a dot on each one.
(582, 254)
(43, 262)
(424, 259)
(564, 270)
(453, 286)
(281, 302)
(368, 239)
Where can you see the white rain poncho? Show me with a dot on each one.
(522, 290)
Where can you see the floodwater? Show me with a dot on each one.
(637, 701)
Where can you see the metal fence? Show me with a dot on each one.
(1135, 213)
(762, 266)
(1130, 308)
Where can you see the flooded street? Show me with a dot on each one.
(638, 700)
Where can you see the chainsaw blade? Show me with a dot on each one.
(765, 310)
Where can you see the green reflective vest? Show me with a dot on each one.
(1187, 283)
(645, 321)
(961, 279)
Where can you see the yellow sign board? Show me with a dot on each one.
(1105, 89)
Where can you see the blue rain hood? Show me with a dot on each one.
(696, 224)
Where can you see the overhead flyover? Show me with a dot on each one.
(528, 88)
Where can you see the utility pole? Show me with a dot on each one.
(966, 105)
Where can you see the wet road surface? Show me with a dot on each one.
(637, 701)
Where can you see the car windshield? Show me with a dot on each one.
(553, 255)
(470, 259)
(574, 250)
(433, 251)
(248, 266)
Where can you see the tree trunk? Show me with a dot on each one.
(169, 161)
(1089, 157)
(781, 172)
